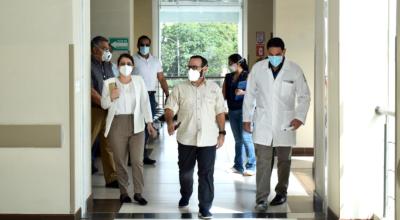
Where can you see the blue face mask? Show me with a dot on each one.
(144, 50)
(275, 60)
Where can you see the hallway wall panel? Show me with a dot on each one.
(35, 91)
(294, 23)
(40, 79)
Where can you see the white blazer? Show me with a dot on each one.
(273, 103)
(142, 110)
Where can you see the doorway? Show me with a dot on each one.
(236, 193)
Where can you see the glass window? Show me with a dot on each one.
(211, 28)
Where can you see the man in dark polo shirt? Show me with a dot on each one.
(101, 69)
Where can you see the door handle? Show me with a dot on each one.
(381, 111)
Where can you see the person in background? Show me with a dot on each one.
(277, 101)
(127, 102)
(233, 89)
(101, 69)
(114, 66)
(199, 105)
(149, 67)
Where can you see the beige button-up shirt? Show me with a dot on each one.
(197, 108)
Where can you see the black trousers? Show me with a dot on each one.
(205, 157)
(153, 106)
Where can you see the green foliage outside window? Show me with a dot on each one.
(214, 41)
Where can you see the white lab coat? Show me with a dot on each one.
(273, 103)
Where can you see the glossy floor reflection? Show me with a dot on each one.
(234, 193)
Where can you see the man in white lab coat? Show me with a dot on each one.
(276, 101)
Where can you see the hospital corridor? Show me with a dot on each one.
(199, 109)
(233, 192)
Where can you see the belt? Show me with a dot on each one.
(123, 115)
(152, 92)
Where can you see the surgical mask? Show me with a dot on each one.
(233, 67)
(275, 60)
(125, 70)
(193, 75)
(106, 56)
(144, 50)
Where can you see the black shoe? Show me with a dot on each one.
(114, 184)
(138, 198)
(94, 169)
(261, 206)
(205, 214)
(183, 203)
(124, 198)
(278, 200)
(149, 161)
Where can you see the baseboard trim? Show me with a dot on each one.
(302, 151)
(332, 215)
(89, 199)
(75, 216)
(89, 202)
(318, 203)
(78, 214)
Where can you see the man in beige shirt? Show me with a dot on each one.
(199, 105)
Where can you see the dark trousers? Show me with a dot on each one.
(153, 106)
(205, 156)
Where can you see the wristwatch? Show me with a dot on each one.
(222, 132)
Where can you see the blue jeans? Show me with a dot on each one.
(243, 142)
(153, 106)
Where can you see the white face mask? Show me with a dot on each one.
(125, 70)
(193, 75)
(233, 67)
(106, 56)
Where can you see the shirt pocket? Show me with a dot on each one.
(209, 102)
(287, 89)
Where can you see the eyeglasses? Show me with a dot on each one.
(145, 45)
(102, 48)
(194, 67)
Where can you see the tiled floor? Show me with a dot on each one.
(234, 193)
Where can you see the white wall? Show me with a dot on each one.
(320, 99)
(333, 111)
(294, 23)
(391, 122)
(143, 22)
(36, 92)
(259, 18)
(81, 170)
(113, 19)
(363, 86)
(397, 160)
(35, 40)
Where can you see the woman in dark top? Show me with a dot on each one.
(234, 88)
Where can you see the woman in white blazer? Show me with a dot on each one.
(128, 106)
